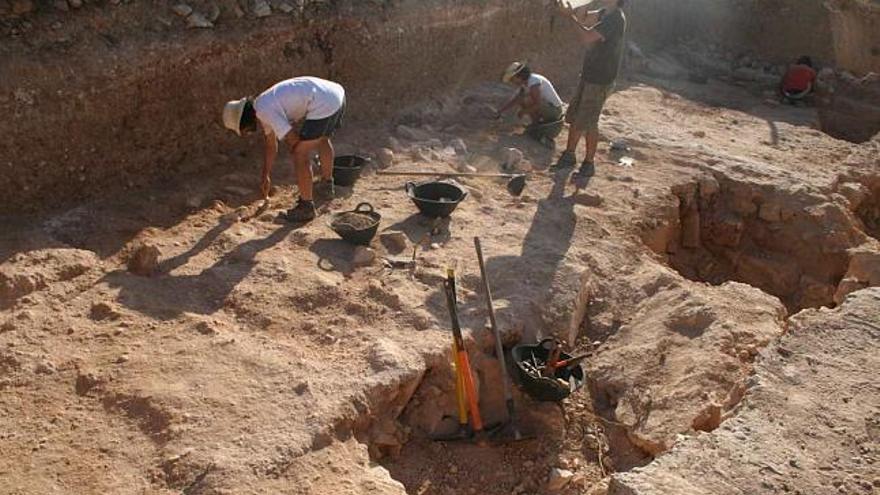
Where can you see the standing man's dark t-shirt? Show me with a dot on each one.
(602, 61)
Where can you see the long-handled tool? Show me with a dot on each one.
(463, 432)
(515, 185)
(462, 362)
(499, 348)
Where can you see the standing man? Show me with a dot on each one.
(536, 98)
(603, 34)
(303, 113)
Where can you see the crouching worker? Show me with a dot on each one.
(798, 81)
(536, 98)
(303, 113)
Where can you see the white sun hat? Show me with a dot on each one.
(512, 70)
(232, 115)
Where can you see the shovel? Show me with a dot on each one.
(511, 429)
(515, 185)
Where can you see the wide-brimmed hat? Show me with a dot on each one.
(232, 115)
(512, 70)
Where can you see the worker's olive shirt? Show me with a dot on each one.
(602, 60)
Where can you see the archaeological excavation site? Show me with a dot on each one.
(438, 289)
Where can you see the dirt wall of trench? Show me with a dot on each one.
(842, 33)
(106, 97)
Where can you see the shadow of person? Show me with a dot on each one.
(169, 265)
(526, 281)
(168, 296)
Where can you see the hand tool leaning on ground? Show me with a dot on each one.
(465, 387)
(511, 428)
(515, 185)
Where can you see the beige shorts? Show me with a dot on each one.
(586, 106)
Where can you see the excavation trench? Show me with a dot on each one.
(788, 243)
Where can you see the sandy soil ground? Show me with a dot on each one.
(264, 358)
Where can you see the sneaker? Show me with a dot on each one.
(566, 160)
(587, 169)
(326, 189)
(304, 211)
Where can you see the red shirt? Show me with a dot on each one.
(798, 78)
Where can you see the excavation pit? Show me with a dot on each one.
(792, 246)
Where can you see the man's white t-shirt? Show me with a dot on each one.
(548, 92)
(296, 100)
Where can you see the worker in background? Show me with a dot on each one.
(798, 81)
(303, 113)
(602, 31)
(536, 99)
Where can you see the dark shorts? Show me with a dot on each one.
(586, 107)
(316, 129)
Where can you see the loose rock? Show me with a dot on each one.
(363, 256)
(559, 478)
(510, 158)
(144, 260)
(262, 9)
(198, 21)
(394, 242)
(385, 157)
(182, 9)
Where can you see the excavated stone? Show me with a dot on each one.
(805, 425)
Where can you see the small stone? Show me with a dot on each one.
(394, 242)
(453, 468)
(459, 146)
(699, 134)
(510, 158)
(262, 9)
(205, 328)
(363, 256)
(182, 9)
(284, 7)
(385, 157)
(198, 21)
(144, 260)
(62, 5)
(45, 368)
(103, 311)
(559, 478)
(213, 15)
(123, 359)
(75, 3)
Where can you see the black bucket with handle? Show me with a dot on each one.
(436, 199)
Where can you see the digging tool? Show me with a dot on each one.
(553, 359)
(499, 347)
(515, 185)
(462, 362)
(573, 361)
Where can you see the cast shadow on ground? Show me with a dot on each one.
(525, 280)
(166, 296)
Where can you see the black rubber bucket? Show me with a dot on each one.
(358, 226)
(542, 388)
(347, 169)
(436, 199)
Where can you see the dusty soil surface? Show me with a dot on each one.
(810, 408)
(256, 357)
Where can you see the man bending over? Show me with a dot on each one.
(303, 113)
(536, 98)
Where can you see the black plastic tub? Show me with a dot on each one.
(436, 199)
(347, 169)
(546, 389)
(358, 226)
